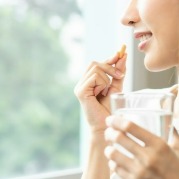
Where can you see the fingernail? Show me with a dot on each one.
(119, 74)
(108, 150)
(112, 165)
(109, 121)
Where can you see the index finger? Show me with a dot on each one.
(117, 84)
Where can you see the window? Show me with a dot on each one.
(41, 58)
(40, 116)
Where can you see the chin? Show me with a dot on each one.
(156, 67)
(152, 66)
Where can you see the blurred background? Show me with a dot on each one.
(40, 42)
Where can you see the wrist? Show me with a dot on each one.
(98, 139)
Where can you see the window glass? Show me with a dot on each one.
(40, 43)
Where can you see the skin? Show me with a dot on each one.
(164, 28)
(159, 20)
(93, 92)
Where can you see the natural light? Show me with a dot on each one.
(45, 47)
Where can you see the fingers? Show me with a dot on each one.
(127, 126)
(121, 64)
(147, 161)
(106, 71)
(92, 85)
(120, 159)
(117, 84)
(127, 167)
(116, 136)
(104, 68)
(123, 173)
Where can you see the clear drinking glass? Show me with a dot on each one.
(152, 111)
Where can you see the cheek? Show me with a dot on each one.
(164, 48)
(148, 9)
(163, 52)
(160, 57)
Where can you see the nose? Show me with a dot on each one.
(131, 15)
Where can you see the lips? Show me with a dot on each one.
(144, 38)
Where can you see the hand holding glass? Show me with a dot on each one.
(152, 111)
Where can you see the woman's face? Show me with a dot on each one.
(156, 25)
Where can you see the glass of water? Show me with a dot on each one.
(150, 110)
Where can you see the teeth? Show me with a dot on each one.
(145, 37)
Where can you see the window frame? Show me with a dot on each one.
(65, 174)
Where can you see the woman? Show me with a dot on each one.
(156, 25)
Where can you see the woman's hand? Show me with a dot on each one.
(94, 89)
(155, 159)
